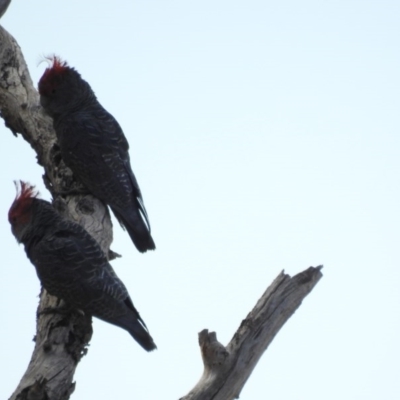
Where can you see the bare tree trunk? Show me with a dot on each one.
(61, 340)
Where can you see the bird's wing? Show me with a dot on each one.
(71, 265)
(117, 158)
(97, 149)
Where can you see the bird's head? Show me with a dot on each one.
(21, 210)
(61, 87)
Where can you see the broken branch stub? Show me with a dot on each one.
(226, 369)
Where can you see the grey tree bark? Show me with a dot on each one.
(61, 340)
(226, 369)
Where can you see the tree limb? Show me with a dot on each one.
(61, 340)
(226, 369)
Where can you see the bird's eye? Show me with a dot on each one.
(53, 91)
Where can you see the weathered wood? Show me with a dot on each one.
(226, 369)
(61, 340)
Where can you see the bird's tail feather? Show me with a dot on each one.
(137, 229)
(138, 330)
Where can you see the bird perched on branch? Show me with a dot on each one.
(71, 265)
(93, 145)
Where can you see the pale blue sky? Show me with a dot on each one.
(264, 137)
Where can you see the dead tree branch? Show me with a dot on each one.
(61, 340)
(226, 369)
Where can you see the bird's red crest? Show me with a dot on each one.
(23, 200)
(50, 75)
(58, 67)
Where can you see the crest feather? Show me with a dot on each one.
(23, 200)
